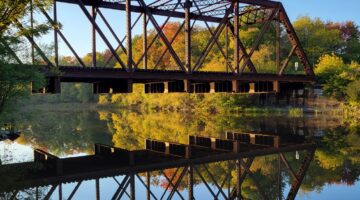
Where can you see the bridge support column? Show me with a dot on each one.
(166, 87)
(56, 84)
(252, 88)
(276, 86)
(187, 86)
(212, 87)
(235, 86)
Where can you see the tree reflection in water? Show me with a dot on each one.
(336, 159)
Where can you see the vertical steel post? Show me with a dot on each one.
(145, 59)
(227, 47)
(128, 35)
(279, 178)
(148, 185)
(93, 14)
(238, 179)
(56, 40)
(60, 191)
(236, 37)
(191, 182)
(32, 35)
(97, 185)
(278, 50)
(187, 36)
(132, 182)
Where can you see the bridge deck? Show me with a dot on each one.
(90, 74)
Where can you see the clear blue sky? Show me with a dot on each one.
(76, 25)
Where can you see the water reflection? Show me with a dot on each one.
(64, 134)
(227, 168)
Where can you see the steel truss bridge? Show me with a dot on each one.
(190, 160)
(241, 74)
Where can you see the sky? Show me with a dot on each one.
(76, 27)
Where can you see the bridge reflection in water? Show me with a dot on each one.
(135, 172)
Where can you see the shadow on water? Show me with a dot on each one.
(174, 165)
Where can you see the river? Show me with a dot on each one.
(333, 173)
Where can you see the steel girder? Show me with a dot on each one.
(223, 13)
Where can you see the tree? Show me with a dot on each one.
(335, 75)
(16, 79)
(350, 35)
(353, 92)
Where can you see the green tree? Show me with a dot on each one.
(335, 75)
(317, 38)
(353, 92)
(16, 80)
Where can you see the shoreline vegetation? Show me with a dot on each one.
(193, 103)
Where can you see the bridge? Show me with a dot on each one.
(238, 149)
(240, 74)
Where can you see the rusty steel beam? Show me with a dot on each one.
(161, 34)
(287, 164)
(97, 188)
(174, 162)
(51, 191)
(217, 42)
(122, 187)
(286, 62)
(163, 12)
(102, 35)
(210, 44)
(139, 9)
(236, 37)
(169, 180)
(122, 41)
(73, 74)
(145, 43)
(154, 39)
(32, 27)
(107, 24)
(74, 190)
(128, 35)
(57, 30)
(191, 182)
(213, 179)
(13, 54)
(31, 40)
(243, 50)
(56, 38)
(205, 183)
(227, 48)
(295, 186)
(278, 44)
(171, 41)
(177, 184)
(93, 36)
(261, 35)
(146, 185)
(294, 40)
(187, 7)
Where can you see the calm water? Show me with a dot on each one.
(333, 173)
